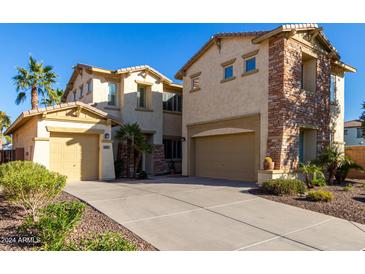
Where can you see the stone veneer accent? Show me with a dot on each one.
(289, 107)
(160, 165)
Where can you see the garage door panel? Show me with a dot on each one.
(226, 156)
(75, 155)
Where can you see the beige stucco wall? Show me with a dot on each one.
(24, 138)
(340, 96)
(172, 124)
(81, 79)
(34, 133)
(150, 121)
(241, 96)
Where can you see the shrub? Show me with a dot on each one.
(142, 175)
(56, 222)
(348, 187)
(118, 165)
(346, 165)
(284, 187)
(109, 241)
(313, 175)
(268, 160)
(331, 159)
(30, 185)
(320, 196)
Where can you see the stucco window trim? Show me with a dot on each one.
(229, 62)
(250, 54)
(144, 109)
(172, 112)
(250, 72)
(112, 108)
(195, 75)
(228, 79)
(195, 89)
(144, 83)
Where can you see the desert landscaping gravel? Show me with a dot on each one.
(349, 205)
(93, 221)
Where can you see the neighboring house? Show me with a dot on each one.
(354, 133)
(248, 95)
(136, 94)
(71, 138)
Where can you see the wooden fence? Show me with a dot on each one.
(11, 155)
(356, 153)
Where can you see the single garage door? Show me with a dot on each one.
(226, 156)
(75, 155)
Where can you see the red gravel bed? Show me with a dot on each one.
(93, 221)
(349, 205)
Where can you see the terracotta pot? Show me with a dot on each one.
(269, 166)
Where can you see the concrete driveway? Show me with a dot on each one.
(209, 214)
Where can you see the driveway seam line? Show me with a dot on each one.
(286, 234)
(234, 219)
(186, 211)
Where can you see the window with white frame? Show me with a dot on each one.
(90, 86)
(141, 97)
(173, 149)
(172, 101)
(112, 94)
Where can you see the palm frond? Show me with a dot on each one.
(20, 98)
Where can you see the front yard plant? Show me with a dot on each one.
(108, 241)
(283, 187)
(30, 185)
(55, 223)
(348, 187)
(313, 175)
(319, 196)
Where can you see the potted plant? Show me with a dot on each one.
(268, 164)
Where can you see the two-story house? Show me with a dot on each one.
(135, 94)
(354, 133)
(248, 95)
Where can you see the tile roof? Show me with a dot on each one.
(39, 111)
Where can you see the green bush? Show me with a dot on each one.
(320, 196)
(283, 187)
(30, 185)
(348, 187)
(55, 223)
(108, 241)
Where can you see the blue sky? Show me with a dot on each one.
(165, 47)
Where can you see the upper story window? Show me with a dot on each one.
(81, 91)
(90, 86)
(308, 72)
(346, 132)
(141, 97)
(359, 133)
(172, 101)
(195, 81)
(74, 94)
(112, 94)
(250, 64)
(333, 88)
(228, 72)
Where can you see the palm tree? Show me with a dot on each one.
(54, 97)
(135, 141)
(37, 78)
(4, 123)
(331, 159)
